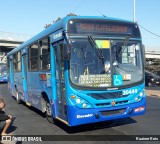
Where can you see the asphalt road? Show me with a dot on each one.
(30, 121)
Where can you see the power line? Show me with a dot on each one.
(149, 31)
(102, 13)
(76, 8)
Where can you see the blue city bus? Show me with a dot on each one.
(3, 72)
(61, 71)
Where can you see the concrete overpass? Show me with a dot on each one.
(12, 40)
(8, 41)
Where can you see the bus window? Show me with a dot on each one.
(17, 62)
(44, 54)
(19, 68)
(14, 63)
(33, 57)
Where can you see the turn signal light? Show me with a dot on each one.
(72, 96)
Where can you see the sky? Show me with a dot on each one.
(30, 16)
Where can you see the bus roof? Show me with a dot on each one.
(61, 24)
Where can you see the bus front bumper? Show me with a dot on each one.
(79, 116)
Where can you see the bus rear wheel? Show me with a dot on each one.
(49, 112)
(18, 98)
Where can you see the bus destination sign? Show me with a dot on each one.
(102, 28)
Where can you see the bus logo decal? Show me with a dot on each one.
(113, 103)
(84, 116)
(55, 36)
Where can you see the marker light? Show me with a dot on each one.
(71, 22)
(72, 96)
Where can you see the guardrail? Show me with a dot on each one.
(9, 36)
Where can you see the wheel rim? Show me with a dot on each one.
(48, 110)
(17, 96)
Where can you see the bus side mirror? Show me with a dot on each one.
(66, 52)
(143, 52)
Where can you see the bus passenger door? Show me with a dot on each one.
(60, 82)
(24, 77)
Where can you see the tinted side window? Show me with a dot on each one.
(17, 62)
(19, 65)
(14, 63)
(33, 57)
(44, 54)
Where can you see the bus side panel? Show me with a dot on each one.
(35, 88)
(53, 83)
(18, 83)
(24, 74)
(11, 78)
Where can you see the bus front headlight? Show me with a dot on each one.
(84, 105)
(139, 96)
(80, 102)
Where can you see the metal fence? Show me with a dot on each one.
(14, 36)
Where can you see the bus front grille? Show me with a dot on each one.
(103, 104)
(109, 95)
(122, 102)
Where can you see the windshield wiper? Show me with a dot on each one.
(98, 51)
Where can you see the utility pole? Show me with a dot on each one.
(134, 11)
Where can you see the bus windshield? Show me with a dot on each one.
(105, 62)
(3, 69)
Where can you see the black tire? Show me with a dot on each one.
(49, 114)
(149, 84)
(17, 97)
